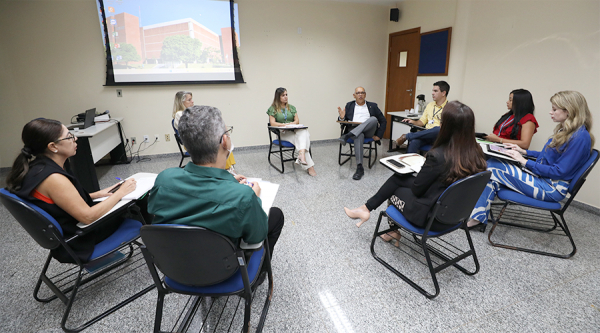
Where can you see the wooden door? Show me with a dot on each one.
(403, 67)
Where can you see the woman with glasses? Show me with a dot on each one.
(183, 100)
(455, 155)
(518, 125)
(38, 175)
(281, 114)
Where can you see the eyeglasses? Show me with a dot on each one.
(70, 136)
(230, 130)
(361, 93)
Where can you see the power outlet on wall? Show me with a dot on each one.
(146, 138)
(132, 140)
(119, 92)
(156, 138)
(167, 137)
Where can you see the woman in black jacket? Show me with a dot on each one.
(455, 155)
(38, 175)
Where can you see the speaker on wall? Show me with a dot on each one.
(394, 14)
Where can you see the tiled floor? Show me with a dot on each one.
(325, 277)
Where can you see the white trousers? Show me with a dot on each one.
(301, 139)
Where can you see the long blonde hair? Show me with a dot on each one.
(578, 115)
(178, 103)
(277, 105)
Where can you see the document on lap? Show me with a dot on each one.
(268, 192)
(404, 164)
(490, 151)
(144, 182)
(294, 126)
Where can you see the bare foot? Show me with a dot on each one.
(472, 223)
(395, 234)
(361, 213)
(311, 171)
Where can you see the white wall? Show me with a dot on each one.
(498, 46)
(52, 65)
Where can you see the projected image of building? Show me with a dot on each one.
(124, 28)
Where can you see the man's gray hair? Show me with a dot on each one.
(201, 128)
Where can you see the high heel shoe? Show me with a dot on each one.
(358, 213)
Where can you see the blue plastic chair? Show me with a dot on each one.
(369, 144)
(452, 210)
(199, 262)
(184, 154)
(46, 231)
(284, 150)
(535, 221)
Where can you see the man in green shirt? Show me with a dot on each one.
(204, 194)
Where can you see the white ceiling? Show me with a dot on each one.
(374, 2)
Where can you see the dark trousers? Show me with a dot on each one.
(421, 138)
(393, 184)
(276, 221)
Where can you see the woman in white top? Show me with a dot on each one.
(183, 100)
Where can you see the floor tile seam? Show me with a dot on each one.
(535, 294)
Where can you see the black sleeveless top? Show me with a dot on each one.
(39, 170)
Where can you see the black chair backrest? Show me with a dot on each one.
(177, 138)
(458, 200)
(42, 227)
(581, 175)
(190, 255)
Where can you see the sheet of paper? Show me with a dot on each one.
(268, 192)
(144, 180)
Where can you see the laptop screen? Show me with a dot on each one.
(89, 118)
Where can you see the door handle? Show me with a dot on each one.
(408, 89)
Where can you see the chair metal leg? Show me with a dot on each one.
(372, 146)
(340, 162)
(159, 311)
(557, 225)
(427, 251)
(280, 156)
(189, 315)
(43, 278)
(73, 289)
(378, 233)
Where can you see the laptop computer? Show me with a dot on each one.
(89, 118)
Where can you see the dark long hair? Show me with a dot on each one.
(36, 136)
(463, 155)
(522, 104)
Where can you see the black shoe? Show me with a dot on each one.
(359, 172)
(261, 279)
(344, 138)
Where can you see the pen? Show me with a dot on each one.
(114, 189)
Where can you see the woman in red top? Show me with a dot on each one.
(518, 125)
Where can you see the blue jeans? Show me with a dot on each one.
(419, 139)
(508, 175)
